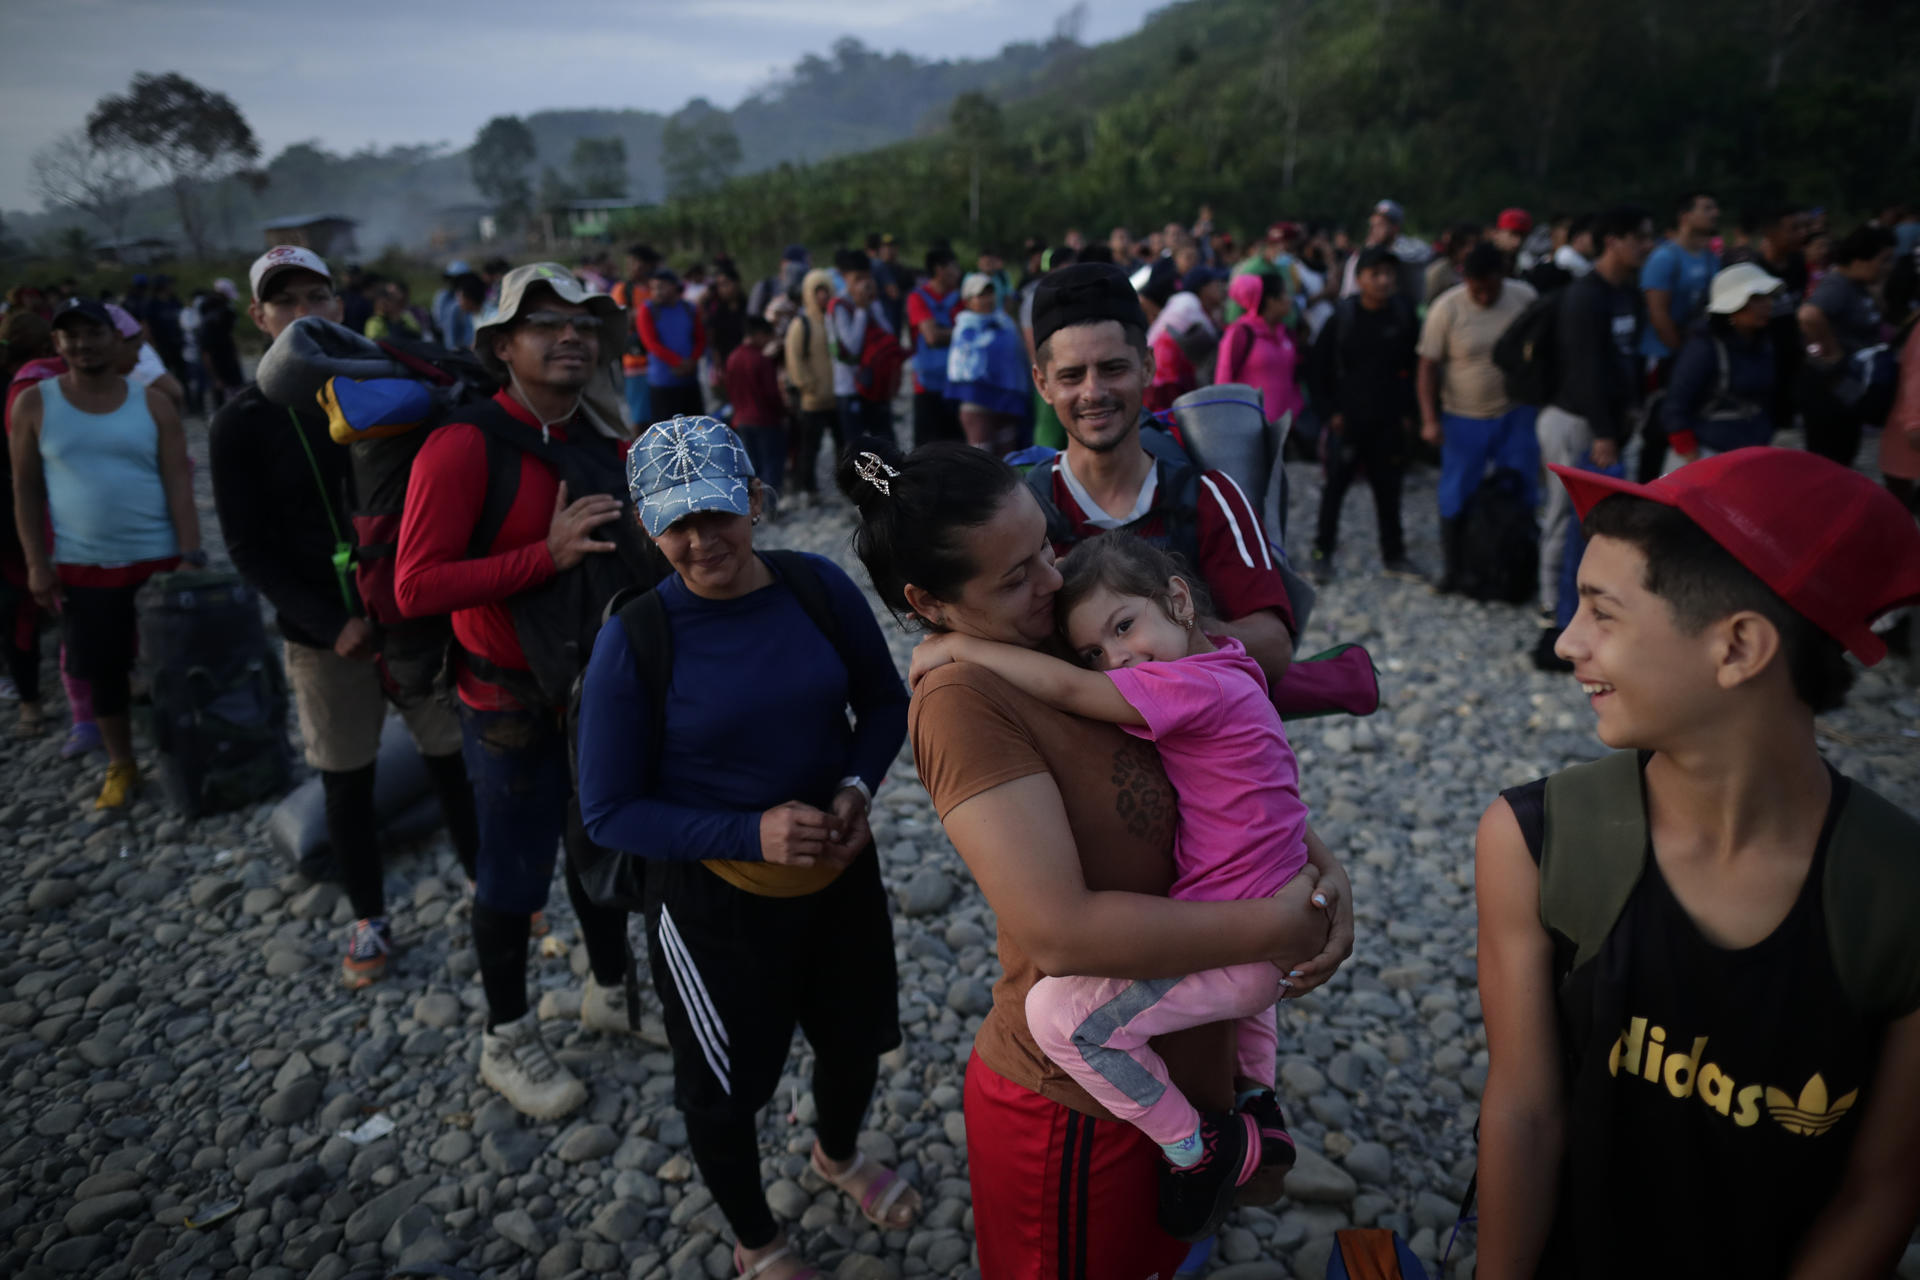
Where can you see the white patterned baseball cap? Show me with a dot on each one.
(281, 259)
(686, 465)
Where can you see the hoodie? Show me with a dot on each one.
(1258, 354)
(809, 360)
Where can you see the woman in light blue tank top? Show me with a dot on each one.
(87, 455)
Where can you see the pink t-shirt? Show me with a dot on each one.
(1243, 829)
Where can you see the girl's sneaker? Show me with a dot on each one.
(1195, 1200)
(83, 738)
(1276, 1144)
(368, 946)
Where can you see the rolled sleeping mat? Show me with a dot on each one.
(1225, 428)
(311, 351)
(404, 806)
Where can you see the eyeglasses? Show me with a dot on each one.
(552, 323)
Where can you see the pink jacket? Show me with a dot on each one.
(1900, 438)
(1259, 354)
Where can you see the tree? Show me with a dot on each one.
(976, 124)
(698, 149)
(72, 172)
(188, 135)
(501, 153)
(600, 168)
(555, 191)
(76, 246)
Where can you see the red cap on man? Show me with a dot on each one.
(1838, 548)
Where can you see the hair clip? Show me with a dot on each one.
(874, 470)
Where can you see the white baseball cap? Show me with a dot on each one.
(281, 259)
(1737, 285)
(976, 283)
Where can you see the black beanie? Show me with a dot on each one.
(1084, 293)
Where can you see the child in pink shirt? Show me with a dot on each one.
(1127, 613)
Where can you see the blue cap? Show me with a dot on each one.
(1200, 277)
(458, 267)
(687, 465)
(795, 253)
(1392, 210)
(139, 277)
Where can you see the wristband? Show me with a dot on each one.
(196, 558)
(857, 783)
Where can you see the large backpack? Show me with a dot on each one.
(877, 363)
(1499, 553)
(382, 400)
(556, 622)
(1526, 353)
(219, 695)
(614, 878)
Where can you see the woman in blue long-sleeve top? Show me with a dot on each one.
(765, 905)
(1722, 390)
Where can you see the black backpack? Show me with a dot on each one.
(557, 621)
(1499, 541)
(612, 877)
(219, 696)
(1526, 353)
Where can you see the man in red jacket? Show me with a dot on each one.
(461, 554)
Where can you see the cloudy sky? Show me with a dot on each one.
(354, 72)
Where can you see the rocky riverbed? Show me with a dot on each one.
(177, 1049)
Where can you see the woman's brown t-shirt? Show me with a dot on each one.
(972, 731)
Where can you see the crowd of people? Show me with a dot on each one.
(630, 683)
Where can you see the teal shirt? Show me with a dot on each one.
(103, 481)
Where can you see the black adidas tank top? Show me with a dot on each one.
(1713, 1094)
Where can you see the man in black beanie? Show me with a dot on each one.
(1092, 365)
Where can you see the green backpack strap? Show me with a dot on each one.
(1593, 851)
(1871, 893)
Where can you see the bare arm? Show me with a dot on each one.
(176, 471)
(30, 494)
(1522, 1116)
(1660, 316)
(1265, 637)
(1060, 685)
(1427, 387)
(1818, 330)
(935, 334)
(1866, 1224)
(170, 386)
(1016, 841)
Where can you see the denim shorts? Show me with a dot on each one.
(517, 762)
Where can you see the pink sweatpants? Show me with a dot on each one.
(1096, 1030)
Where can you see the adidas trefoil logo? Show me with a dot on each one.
(1810, 1114)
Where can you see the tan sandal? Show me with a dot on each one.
(782, 1254)
(885, 1194)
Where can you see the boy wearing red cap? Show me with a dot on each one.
(1698, 965)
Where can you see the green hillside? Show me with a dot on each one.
(1318, 107)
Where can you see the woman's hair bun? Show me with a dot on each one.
(867, 470)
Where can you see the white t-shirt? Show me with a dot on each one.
(148, 369)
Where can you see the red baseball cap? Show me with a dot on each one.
(1518, 221)
(1833, 544)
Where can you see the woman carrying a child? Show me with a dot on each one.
(1070, 826)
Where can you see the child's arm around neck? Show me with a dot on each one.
(1060, 685)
